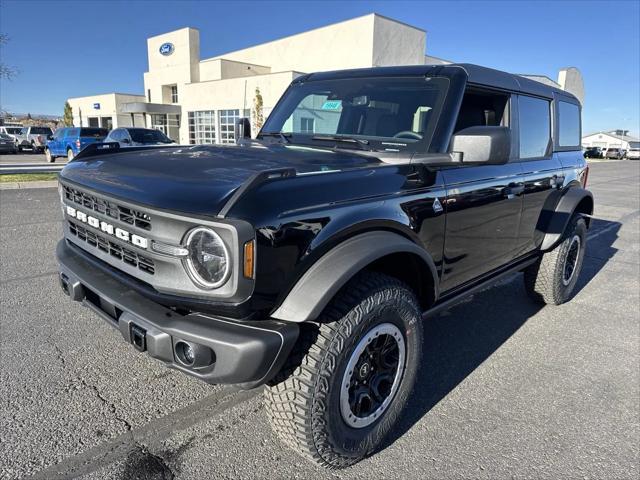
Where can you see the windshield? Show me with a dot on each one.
(634, 145)
(387, 113)
(142, 135)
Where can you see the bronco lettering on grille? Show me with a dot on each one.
(117, 232)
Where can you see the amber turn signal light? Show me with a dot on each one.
(249, 257)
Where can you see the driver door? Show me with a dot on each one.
(484, 202)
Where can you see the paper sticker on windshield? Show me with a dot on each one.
(332, 105)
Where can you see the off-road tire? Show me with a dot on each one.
(543, 280)
(70, 154)
(50, 158)
(303, 401)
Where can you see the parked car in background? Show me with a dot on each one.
(130, 137)
(68, 142)
(614, 153)
(593, 152)
(7, 144)
(634, 151)
(34, 138)
(12, 131)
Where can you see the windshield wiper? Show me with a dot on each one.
(360, 142)
(284, 136)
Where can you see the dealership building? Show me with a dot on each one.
(611, 139)
(196, 100)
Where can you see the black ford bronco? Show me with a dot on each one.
(307, 259)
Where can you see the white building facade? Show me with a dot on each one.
(610, 139)
(198, 101)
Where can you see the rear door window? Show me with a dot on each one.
(534, 126)
(94, 132)
(41, 131)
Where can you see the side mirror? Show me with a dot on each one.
(243, 129)
(50, 137)
(489, 145)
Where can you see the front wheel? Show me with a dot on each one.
(552, 279)
(50, 158)
(348, 382)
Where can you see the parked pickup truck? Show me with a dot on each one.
(309, 259)
(68, 142)
(34, 138)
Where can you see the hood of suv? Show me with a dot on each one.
(198, 179)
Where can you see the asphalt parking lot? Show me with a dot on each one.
(27, 157)
(507, 389)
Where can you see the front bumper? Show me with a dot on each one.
(248, 353)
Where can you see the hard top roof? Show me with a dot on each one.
(475, 75)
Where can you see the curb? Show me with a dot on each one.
(25, 185)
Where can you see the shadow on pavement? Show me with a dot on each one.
(458, 340)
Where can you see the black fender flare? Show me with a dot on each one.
(562, 213)
(319, 284)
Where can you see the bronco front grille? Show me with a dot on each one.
(106, 207)
(122, 253)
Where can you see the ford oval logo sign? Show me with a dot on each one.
(166, 48)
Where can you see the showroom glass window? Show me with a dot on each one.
(202, 127)
(535, 126)
(568, 124)
(227, 125)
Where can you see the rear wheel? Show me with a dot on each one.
(70, 154)
(349, 380)
(552, 279)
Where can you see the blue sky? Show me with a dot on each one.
(65, 49)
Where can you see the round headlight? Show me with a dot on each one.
(208, 259)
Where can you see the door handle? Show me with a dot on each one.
(513, 190)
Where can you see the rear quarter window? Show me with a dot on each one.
(568, 125)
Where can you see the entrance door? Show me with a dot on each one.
(169, 124)
(106, 122)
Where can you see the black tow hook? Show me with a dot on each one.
(139, 338)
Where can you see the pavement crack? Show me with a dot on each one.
(110, 405)
(153, 432)
(59, 355)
